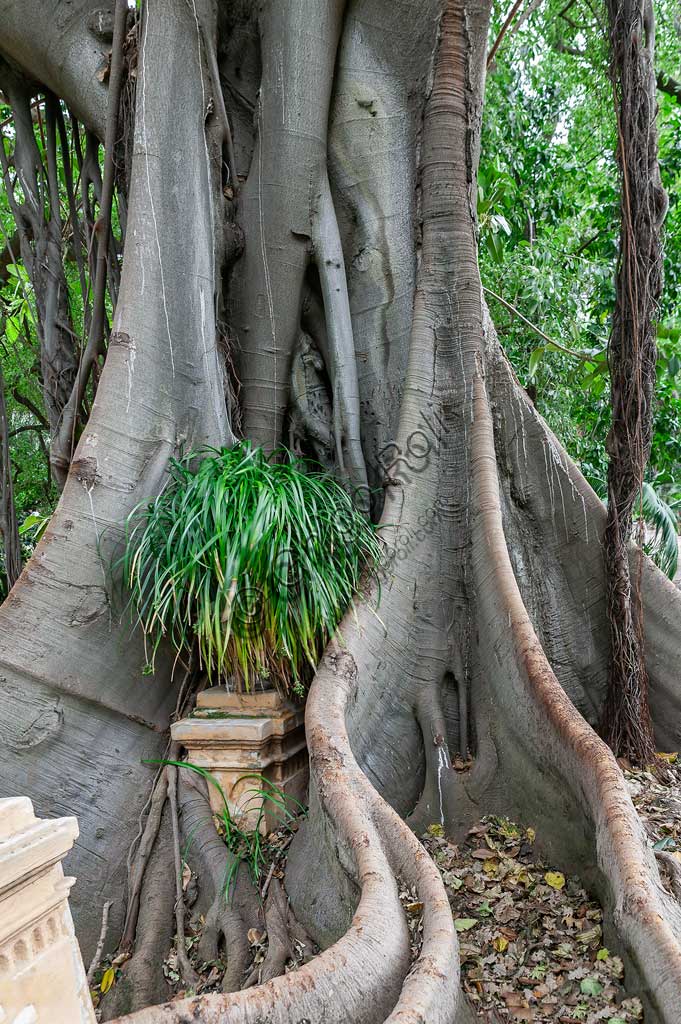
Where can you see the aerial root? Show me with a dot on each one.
(141, 859)
(280, 943)
(189, 975)
(230, 915)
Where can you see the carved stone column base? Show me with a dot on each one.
(42, 978)
(234, 736)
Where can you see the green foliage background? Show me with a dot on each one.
(548, 209)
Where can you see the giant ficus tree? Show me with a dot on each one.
(340, 264)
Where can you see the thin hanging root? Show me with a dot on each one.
(342, 366)
(97, 958)
(156, 801)
(189, 975)
(63, 443)
(138, 867)
(646, 919)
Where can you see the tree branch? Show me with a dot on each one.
(667, 84)
(8, 516)
(537, 330)
(25, 429)
(31, 406)
(62, 447)
(504, 29)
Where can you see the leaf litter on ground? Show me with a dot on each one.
(657, 798)
(530, 938)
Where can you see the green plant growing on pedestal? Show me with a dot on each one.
(252, 558)
(247, 844)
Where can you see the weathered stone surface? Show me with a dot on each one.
(42, 978)
(238, 736)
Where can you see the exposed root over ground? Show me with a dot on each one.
(276, 945)
(658, 802)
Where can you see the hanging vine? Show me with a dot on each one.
(632, 356)
(70, 219)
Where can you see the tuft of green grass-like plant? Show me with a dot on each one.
(247, 845)
(253, 559)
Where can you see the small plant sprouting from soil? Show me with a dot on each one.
(246, 843)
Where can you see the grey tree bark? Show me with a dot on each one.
(356, 130)
(81, 713)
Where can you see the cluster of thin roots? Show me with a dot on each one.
(632, 357)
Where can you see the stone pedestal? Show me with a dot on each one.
(234, 735)
(42, 979)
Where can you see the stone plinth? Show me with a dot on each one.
(234, 735)
(42, 979)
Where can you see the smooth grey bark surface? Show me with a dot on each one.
(53, 45)
(383, 67)
(142, 980)
(536, 756)
(81, 713)
(298, 46)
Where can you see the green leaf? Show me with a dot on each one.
(590, 987)
(535, 358)
(34, 522)
(251, 558)
(603, 954)
(464, 924)
(108, 979)
(664, 549)
(665, 844)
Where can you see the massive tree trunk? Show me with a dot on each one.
(80, 712)
(356, 129)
